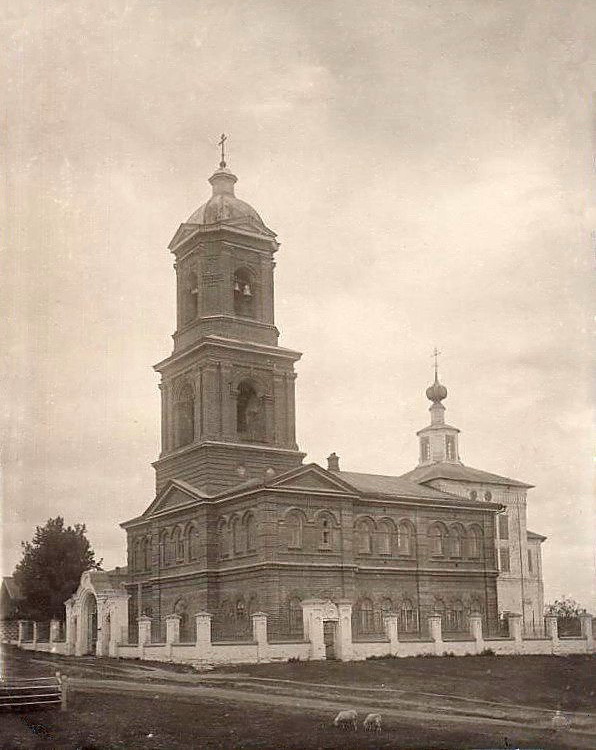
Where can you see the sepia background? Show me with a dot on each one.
(427, 169)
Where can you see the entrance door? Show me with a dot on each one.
(92, 624)
(329, 630)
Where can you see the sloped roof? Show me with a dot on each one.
(459, 472)
(534, 535)
(395, 486)
(12, 587)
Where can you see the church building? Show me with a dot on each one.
(240, 524)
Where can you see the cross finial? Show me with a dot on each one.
(436, 353)
(222, 143)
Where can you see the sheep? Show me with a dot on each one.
(372, 723)
(345, 719)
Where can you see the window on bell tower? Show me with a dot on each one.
(249, 413)
(184, 417)
(450, 447)
(190, 298)
(425, 449)
(244, 293)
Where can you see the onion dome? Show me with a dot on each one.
(223, 205)
(436, 392)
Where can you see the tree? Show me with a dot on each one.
(51, 567)
(564, 608)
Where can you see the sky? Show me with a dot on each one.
(427, 167)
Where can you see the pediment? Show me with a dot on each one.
(184, 232)
(313, 477)
(174, 494)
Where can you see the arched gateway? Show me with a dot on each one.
(96, 613)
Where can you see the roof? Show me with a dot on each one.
(12, 587)
(459, 472)
(534, 535)
(395, 486)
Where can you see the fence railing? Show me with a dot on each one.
(225, 628)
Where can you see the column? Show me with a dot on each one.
(203, 642)
(515, 626)
(586, 626)
(552, 628)
(313, 627)
(390, 624)
(54, 634)
(476, 630)
(22, 632)
(228, 404)
(344, 646)
(436, 631)
(144, 626)
(35, 634)
(259, 633)
(210, 401)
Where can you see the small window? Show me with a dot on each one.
(425, 449)
(488, 496)
(530, 561)
(405, 542)
(294, 527)
(325, 534)
(364, 537)
(450, 447)
(475, 543)
(251, 533)
(193, 543)
(456, 542)
(505, 561)
(384, 538)
(473, 495)
(179, 546)
(503, 527)
(437, 541)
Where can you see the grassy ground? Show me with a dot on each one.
(554, 682)
(112, 721)
(178, 721)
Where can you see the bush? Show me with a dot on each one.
(487, 652)
(293, 659)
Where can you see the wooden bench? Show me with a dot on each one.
(32, 692)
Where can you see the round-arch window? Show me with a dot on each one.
(473, 494)
(488, 495)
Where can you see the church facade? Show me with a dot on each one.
(239, 524)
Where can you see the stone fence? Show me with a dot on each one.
(320, 642)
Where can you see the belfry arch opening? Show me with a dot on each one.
(250, 423)
(184, 417)
(244, 293)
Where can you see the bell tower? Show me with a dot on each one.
(227, 389)
(438, 441)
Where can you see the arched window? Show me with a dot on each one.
(437, 536)
(408, 617)
(364, 536)
(386, 606)
(241, 610)
(475, 542)
(164, 549)
(450, 447)
(181, 609)
(384, 537)
(192, 537)
(135, 557)
(455, 617)
(424, 449)
(294, 616)
(325, 530)
(250, 418)
(294, 527)
(244, 293)
(367, 616)
(456, 538)
(405, 539)
(190, 298)
(146, 553)
(179, 545)
(250, 530)
(184, 417)
(236, 536)
(222, 536)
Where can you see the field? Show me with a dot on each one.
(427, 703)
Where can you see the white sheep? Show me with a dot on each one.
(372, 723)
(346, 719)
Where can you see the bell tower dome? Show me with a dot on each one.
(439, 441)
(227, 389)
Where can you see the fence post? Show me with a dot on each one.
(514, 621)
(203, 637)
(476, 630)
(54, 634)
(390, 624)
(585, 620)
(21, 636)
(436, 631)
(345, 650)
(312, 614)
(63, 681)
(144, 626)
(259, 634)
(552, 628)
(35, 634)
(172, 633)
